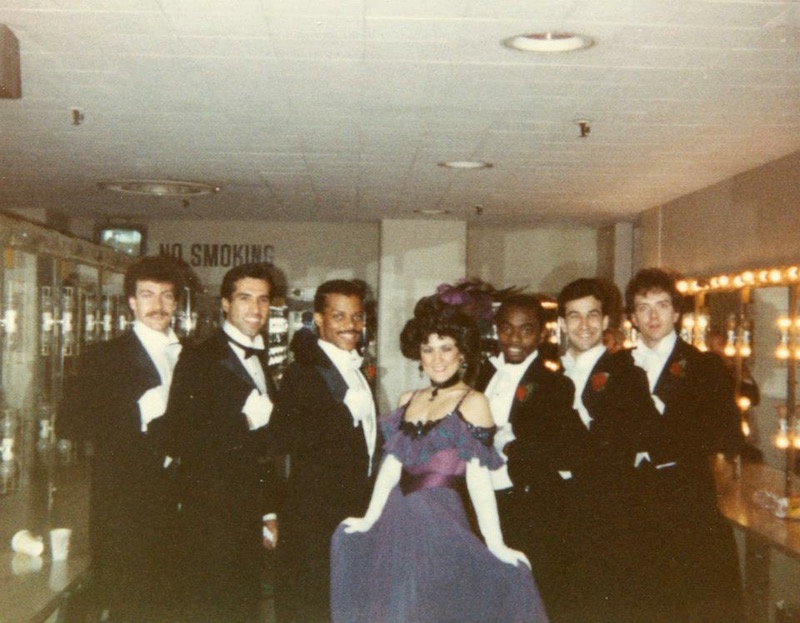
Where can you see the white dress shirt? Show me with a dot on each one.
(577, 369)
(251, 364)
(500, 391)
(163, 350)
(358, 398)
(652, 361)
(258, 406)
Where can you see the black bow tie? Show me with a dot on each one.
(248, 351)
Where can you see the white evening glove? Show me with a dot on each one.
(502, 437)
(258, 409)
(388, 477)
(479, 485)
(152, 405)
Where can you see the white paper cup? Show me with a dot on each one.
(23, 542)
(59, 543)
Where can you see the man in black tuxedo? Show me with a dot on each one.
(325, 421)
(219, 407)
(116, 402)
(693, 560)
(531, 404)
(613, 402)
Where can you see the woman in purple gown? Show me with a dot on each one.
(413, 557)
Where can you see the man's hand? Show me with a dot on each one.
(270, 534)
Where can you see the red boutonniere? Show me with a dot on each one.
(370, 371)
(524, 392)
(678, 368)
(598, 381)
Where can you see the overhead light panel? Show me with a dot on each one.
(549, 42)
(159, 188)
(466, 164)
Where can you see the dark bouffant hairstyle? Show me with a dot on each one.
(158, 268)
(431, 317)
(336, 286)
(581, 288)
(649, 279)
(257, 270)
(527, 302)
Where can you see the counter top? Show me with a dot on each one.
(735, 501)
(31, 588)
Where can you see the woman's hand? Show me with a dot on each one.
(510, 556)
(357, 524)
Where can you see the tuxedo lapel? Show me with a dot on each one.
(143, 372)
(230, 361)
(672, 377)
(529, 390)
(333, 379)
(595, 387)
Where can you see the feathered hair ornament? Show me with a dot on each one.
(472, 297)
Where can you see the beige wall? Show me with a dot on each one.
(307, 253)
(539, 259)
(748, 221)
(416, 256)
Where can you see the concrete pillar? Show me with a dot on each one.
(415, 257)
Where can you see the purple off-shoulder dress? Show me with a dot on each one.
(421, 562)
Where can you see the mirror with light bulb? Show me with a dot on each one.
(752, 321)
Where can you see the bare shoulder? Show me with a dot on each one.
(476, 411)
(405, 397)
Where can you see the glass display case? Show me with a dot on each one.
(58, 295)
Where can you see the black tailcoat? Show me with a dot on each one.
(547, 430)
(132, 510)
(695, 564)
(328, 479)
(227, 482)
(601, 515)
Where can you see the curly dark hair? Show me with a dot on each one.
(444, 321)
(158, 268)
(653, 279)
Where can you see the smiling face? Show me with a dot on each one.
(654, 316)
(583, 323)
(518, 333)
(153, 304)
(248, 307)
(440, 358)
(342, 320)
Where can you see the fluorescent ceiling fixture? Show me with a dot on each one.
(548, 42)
(159, 188)
(466, 164)
(418, 211)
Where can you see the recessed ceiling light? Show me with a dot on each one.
(159, 188)
(430, 212)
(549, 42)
(466, 164)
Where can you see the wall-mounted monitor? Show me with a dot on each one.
(130, 239)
